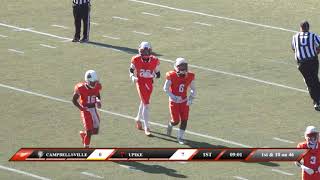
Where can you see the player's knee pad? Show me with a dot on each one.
(183, 125)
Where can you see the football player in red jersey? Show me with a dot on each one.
(87, 98)
(144, 67)
(176, 86)
(311, 161)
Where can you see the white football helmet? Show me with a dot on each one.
(311, 135)
(91, 78)
(145, 50)
(181, 66)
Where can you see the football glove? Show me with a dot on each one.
(190, 100)
(134, 79)
(176, 98)
(307, 170)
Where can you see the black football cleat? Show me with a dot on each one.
(84, 40)
(75, 39)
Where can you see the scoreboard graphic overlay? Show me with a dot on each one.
(159, 154)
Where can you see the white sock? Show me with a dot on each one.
(139, 115)
(180, 134)
(145, 113)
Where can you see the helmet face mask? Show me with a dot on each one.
(145, 50)
(312, 136)
(91, 78)
(182, 69)
(181, 66)
(145, 53)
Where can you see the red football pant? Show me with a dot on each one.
(90, 119)
(144, 91)
(314, 176)
(179, 112)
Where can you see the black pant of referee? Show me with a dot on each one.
(309, 70)
(81, 12)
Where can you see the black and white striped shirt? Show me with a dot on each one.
(304, 45)
(80, 2)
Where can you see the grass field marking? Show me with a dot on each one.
(33, 31)
(142, 33)
(283, 140)
(94, 23)
(3, 36)
(48, 46)
(23, 172)
(241, 76)
(24, 29)
(16, 51)
(202, 24)
(151, 14)
(240, 178)
(214, 16)
(171, 61)
(173, 28)
(129, 167)
(59, 26)
(124, 116)
(91, 175)
(282, 172)
(121, 18)
(111, 37)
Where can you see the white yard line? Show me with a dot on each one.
(3, 36)
(214, 16)
(48, 46)
(33, 31)
(60, 26)
(111, 37)
(282, 172)
(18, 30)
(129, 167)
(121, 18)
(94, 23)
(92, 175)
(202, 24)
(142, 33)
(241, 76)
(16, 51)
(283, 140)
(171, 61)
(240, 178)
(151, 14)
(23, 172)
(173, 28)
(124, 116)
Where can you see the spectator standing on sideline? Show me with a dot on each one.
(81, 12)
(305, 45)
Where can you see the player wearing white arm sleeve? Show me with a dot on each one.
(143, 68)
(176, 87)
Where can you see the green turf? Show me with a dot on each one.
(228, 107)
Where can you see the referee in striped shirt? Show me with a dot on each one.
(81, 12)
(305, 45)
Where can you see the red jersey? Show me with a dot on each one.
(311, 160)
(87, 95)
(145, 70)
(179, 85)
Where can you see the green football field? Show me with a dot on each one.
(249, 91)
